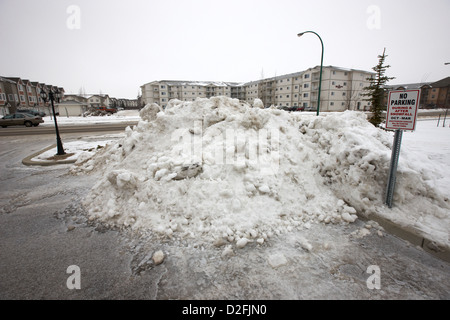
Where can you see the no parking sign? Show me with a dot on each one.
(401, 115)
(402, 109)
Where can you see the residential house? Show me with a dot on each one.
(71, 108)
(98, 100)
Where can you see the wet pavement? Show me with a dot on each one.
(44, 231)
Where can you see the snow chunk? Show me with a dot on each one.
(158, 257)
(241, 243)
(277, 260)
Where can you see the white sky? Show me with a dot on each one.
(123, 44)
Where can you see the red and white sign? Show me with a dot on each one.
(402, 109)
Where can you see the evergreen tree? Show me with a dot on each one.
(375, 91)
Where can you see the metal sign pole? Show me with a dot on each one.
(393, 168)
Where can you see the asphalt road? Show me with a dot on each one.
(45, 234)
(19, 131)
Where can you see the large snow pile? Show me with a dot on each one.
(223, 171)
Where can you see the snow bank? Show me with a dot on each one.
(223, 171)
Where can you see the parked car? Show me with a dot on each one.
(34, 112)
(20, 119)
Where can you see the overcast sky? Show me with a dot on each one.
(114, 47)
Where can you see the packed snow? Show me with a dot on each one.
(75, 150)
(230, 173)
(119, 117)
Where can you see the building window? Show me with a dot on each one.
(332, 103)
(343, 94)
(306, 85)
(305, 95)
(306, 76)
(332, 93)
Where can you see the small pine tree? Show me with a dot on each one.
(375, 91)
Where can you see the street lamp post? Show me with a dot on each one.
(52, 97)
(321, 65)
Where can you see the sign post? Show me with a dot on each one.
(401, 115)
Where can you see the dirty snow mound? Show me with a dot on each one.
(218, 169)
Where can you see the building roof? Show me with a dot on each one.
(15, 79)
(407, 86)
(441, 83)
(71, 102)
(4, 79)
(198, 83)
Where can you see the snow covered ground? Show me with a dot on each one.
(231, 174)
(121, 116)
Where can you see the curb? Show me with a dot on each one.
(29, 162)
(413, 238)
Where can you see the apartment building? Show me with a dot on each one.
(124, 103)
(161, 92)
(437, 94)
(342, 89)
(18, 93)
(432, 94)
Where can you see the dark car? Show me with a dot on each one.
(20, 119)
(34, 112)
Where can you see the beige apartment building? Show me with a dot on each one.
(342, 89)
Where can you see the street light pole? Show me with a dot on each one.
(321, 66)
(51, 97)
